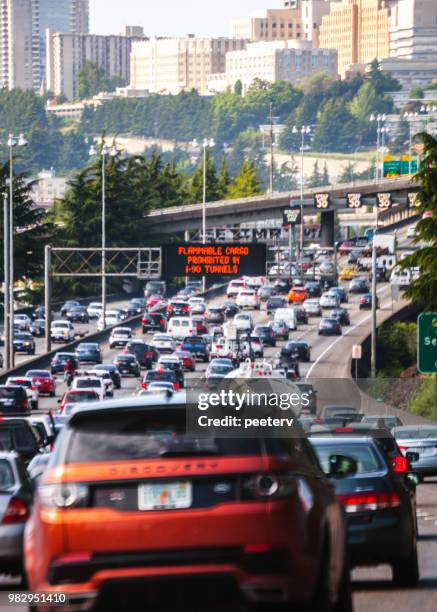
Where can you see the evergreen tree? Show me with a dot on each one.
(224, 180)
(325, 175)
(316, 178)
(347, 173)
(246, 183)
(195, 187)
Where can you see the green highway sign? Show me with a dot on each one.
(427, 343)
(399, 167)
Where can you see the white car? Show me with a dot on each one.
(28, 386)
(243, 322)
(197, 305)
(94, 310)
(90, 382)
(181, 327)
(234, 288)
(112, 318)
(288, 315)
(312, 307)
(106, 377)
(248, 298)
(254, 282)
(329, 299)
(120, 336)
(163, 342)
(157, 388)
(22, 321)
(62, 331)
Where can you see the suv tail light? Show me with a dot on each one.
(16, 512)
(270, 486)
(67, 495)
(144, 385)
(362, 502)
(400, 465)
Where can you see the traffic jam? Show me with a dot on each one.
(106, 499)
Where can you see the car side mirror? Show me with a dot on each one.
(341, 466)
(412, 457)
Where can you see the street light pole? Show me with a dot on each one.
(374, 298)
(272, 153)
(305, 129)
(6, 299)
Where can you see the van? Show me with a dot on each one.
(181, 327)
(234, 288)
(401, 278)
(287, 315)
(155, 287)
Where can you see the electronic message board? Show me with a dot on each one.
(221, 259)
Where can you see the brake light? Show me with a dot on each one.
(361, 502)
(16, 512)
(400, 465)
(144, 385)
(344, 430)
(176, 386)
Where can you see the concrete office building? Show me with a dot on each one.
(67, 53)
(172, 65)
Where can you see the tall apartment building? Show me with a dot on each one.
(67, 53)
(172, 65)
(358, 29)
(286, 60)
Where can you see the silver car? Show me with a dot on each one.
(16, 498)
(312, 307)
(422, 440)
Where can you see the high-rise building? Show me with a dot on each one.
(67, 53)
(172, 65)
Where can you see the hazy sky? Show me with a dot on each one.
(172, 17)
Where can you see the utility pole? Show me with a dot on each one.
(12, 143)
(374, 298)
(272, 152)
(104, 153)
(6, 294)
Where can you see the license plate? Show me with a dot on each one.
(169, 496)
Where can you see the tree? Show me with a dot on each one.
(347, 173)
(325, 175)
(417, 92)
(285, 178)
(423, 291)
(381, 79)
(316, 178)
(246, 183)
(195, 187)
(92, 80)
(224, 180)
(238, 88)
(336, 128)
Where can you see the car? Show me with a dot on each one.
(218, 369)
(297, 295)
(43, 381)
(28, 386)
(14, 400)
(327, 268)
(154, 301)
(163, 343)
(19, 435)
(160, 375)
(146, 354)
(283, 285)
(38, 328)
(157, 388)
(422, 440)
(354, 255)
(366, 301)
(280, 329)
(234, 288)
(346, 246)
(411, 232)
(61, 331)
(200, 326)
(359, 285)
(329, 300)
(335, 410)
(154, 287)
(273, 303)
(17, 494)
(94, 310)
(75, 396)
(302, 348)
(194, 285)
(265, 333)
(287, 360)
(383, 420)
(312, 288)
(253, 346)
(348, 273)
(248, 298)
(95, 383)
(38, 313)
(172, 362)
(153, 322)
(120, 336)
(197, 346)
(288, 315)
(187, 360)
(178, 308)
(342, 315)
(112, 317)
(231, 309)
(24, 343)
(113, 372)
(181, 327)
(68, 304)
(239, 481)
(243, 322)
(89, 352)
(136, 307)
(106, 377)
(329, 326)
(197, 305)
(77, 314)
(301, 314)
(215, 315)
(340, 291)
(127, 365)
(312, 307)
(37, 467)
(57, 365)
(311, 393)
(22, 322)
(43, 424)
(266, 291)
(379, 505)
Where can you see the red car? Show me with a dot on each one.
(187, 360)
(153, 300)
(346, 246)
(43, 381)
(200, 324)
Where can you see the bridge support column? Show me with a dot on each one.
(327, 232)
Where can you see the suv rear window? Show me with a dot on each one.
(12, 393)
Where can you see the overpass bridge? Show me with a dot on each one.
(229, 213)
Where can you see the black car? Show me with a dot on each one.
(176, 308)
(77, 314)
(266, 291)
(359, 285)
(308, 390)
(273, 303)
(14, 400)
(329, 327)
(59, 361)
(312, 288)
(301, 348)
(288, 360)
(38, 328)
(231, 309)
(113, 373)
(342, 316)
(67, 306)
(168, 363)
(89, 352)
(301, 314)
(39, 313)
(146, 355)
(379, 505)
(283, 285)
(215, 315)
(153, 322)
(20, 436)
(265, 333)
(366, 301)
(24, 343)
(136, 306)
(127, 365)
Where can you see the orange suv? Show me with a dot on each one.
(133, 513)
(297, 295)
